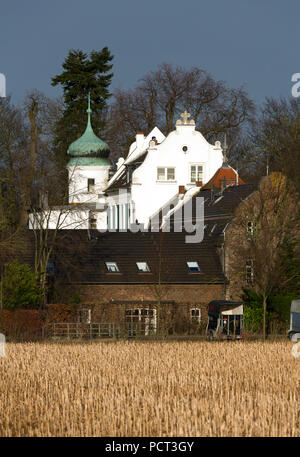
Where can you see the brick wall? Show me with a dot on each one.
(172, 317)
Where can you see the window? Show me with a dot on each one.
(84, 316)
(165, 174)
(193, 266)
(91, 185)
(112, 267)
(196, 173)
(140, 321)
(251, 226)
(170, 174)
(249, 272)
(195, 314)
(142, 267)
(50, 269)
(92, 221)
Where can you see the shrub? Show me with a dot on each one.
(253, 311)
(20, 288)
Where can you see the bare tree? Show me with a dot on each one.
(163, 94)
(276, 137)
(13, 153)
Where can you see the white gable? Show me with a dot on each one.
(183, 149)
(137, 149)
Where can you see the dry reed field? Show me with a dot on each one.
(150, 389)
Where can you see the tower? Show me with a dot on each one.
(88, 167)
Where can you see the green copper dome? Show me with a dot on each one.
(88, 149)
(88, 161)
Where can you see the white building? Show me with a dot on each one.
(155, 170)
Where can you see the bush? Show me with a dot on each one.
(20, 288)
(253, 311)
(281, 304)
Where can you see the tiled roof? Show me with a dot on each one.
(121, 182)
(223, 177)
(219, 207)
(79, 259)
(80, 255)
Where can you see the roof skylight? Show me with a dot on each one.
(142, 267)
(193, 266)
(112, 267)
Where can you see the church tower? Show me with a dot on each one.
(88, 167)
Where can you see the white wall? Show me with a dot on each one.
(78, 182)
(149, 194)
(59, 219)
(66, 219)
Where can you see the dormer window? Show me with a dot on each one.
(91, 185)
(112, 267)
(193, 267)
(165, 174)
(143, 267)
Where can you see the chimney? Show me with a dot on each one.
(199, 183)
(139, 138)
(120, 162)
(181, 190)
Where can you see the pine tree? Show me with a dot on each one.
(82, 74)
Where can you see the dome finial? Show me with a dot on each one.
(89, 111)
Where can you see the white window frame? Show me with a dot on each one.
(165, 174)
(112, 267)
(197, 165)
(196, 318)
(193, 264)
(146, 268)
(84, 315)
(148, 316)
(251, 226)
(91, 187)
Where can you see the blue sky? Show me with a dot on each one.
(248, 43)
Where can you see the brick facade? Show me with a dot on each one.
(108, 303)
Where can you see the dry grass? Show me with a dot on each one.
(150, 389)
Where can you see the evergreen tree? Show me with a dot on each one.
(19, 287)
(82, 74)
